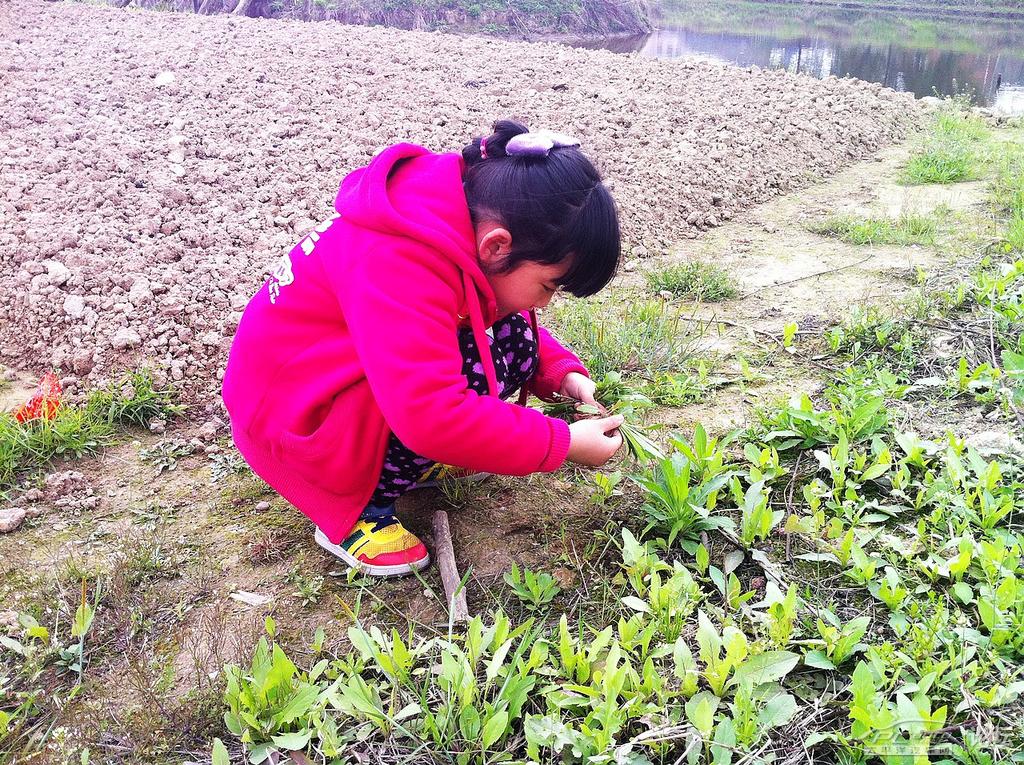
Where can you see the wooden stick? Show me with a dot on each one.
(445, 553)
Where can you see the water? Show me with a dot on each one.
(983, 58)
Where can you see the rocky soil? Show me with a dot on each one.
(152, 165)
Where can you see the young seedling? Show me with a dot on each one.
(534, 588)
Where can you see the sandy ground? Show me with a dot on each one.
(153, 164)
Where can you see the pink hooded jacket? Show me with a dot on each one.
(354, 336)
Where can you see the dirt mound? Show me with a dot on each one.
(152, 165)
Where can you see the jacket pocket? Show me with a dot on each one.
(321, 441)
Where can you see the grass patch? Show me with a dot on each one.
(645, 336)
(1008, 186)
(78, 430)
(1015, 234)
(34, 444)
(954, 151)
(696, 280)
(907, 229)
(133, 400)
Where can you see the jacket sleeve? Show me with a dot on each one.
(555, 363)
(401, 309)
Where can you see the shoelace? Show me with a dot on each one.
(380, 517)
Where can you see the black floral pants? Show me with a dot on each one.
(514, 349)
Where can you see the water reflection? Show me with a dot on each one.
(925, 57)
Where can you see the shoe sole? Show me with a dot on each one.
(383, 572)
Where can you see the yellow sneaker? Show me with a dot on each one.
(379, 545)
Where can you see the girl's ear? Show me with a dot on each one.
(493, 244)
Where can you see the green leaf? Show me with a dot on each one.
(788, 333)
(495, 729)
(818, 660)
(636, 604)
(497, 661)
(724, 743)
(818, 737)
(874, 472)
(12, 645)
(298, 705)
(765, 668)
(1013, 363)
(778, 711)
(220, 753)
(292, 741)
(260, 753)
(83, 620)
(700, 711)
(963, 592)
(469, 723)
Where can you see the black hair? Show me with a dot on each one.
(555, 207)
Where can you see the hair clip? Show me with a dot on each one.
(483, 148)
(538, 144)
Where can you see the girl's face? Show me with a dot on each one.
(527, 286)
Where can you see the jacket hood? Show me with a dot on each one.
(408, 191)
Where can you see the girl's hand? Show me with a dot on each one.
(581, 388)
(593, 442)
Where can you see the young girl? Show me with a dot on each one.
(389, 338)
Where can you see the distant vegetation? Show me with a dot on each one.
(499, 17)
(1008, 8)
(924, 26)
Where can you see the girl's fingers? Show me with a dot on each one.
(609, 424)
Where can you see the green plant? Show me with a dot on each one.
(534, 588)
(81, 624)
(33, 444)
(696, 279)
(224, 464)
(680, 387)
(982, 381)
(893, 731)
(872, 334)
(133, 400)
(728, 662)
(616, 398)
(973, 751)
(753, 715)
(757, 518)
(855, 413)
(677, 506)
(165, 453)
(788, 334)
(780, 613)
(890, 589)
(665, 604)
(909, 228)
(271, 705)
(309, 589)
(605, 487)
(840, 640)
(706, 455)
